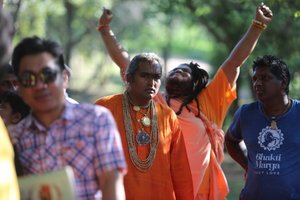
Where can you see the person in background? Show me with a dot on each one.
(12, 108)
(200, 108)
(57, 133)
(8, 79)
(155, 152)
(9, 189)
(69, 72)
(270, 129)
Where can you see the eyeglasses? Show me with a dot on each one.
(29, 79)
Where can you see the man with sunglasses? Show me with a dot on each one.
(58, 133)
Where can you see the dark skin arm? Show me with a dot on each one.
(231, 65)
(235, 151)
(114, 48)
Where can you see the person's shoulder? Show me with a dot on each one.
(165, 109)
(108, 99)
(254, 106)
(296, 102)
(21, 128)
(89, 108)
(163, 106)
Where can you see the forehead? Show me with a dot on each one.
(149, 67)
(262, 71)
(183, 67)
(36, 62)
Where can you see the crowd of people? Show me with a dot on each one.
(143, 143)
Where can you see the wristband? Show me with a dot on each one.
(101, 27)
(259, 24)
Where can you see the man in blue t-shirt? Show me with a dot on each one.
(270, 129)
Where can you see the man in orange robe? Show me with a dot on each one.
(158, 166)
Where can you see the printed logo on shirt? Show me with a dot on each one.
(270, 139)
(268, 163)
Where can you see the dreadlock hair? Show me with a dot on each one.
(199, 81)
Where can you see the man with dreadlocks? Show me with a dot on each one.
(200, 108)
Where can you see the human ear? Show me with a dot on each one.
(283, 85)
(129, 78)
(65, 79)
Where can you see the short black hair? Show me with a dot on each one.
(16, 102)
(277, 67)
(36, 45)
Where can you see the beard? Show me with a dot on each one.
(178, 88)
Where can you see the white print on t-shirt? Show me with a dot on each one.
(270, 139)
(270, 163)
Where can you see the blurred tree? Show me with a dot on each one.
(197, 29)
(227, 20)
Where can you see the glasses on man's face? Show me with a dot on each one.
(29, 79)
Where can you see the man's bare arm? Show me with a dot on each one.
(116, 51)
(246, 45)
(111, 184)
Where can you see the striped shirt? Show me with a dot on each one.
(85, 137)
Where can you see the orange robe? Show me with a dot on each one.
(169, 177)
(9, 188)
(215, 100)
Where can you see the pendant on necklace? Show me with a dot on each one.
(136, 108)
(146, 121)
(273, 124)
(142, 138)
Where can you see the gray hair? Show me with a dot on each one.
(142, 57)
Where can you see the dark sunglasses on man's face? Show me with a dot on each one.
(29, 79)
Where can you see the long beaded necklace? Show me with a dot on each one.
(274, 118)
(142, 165)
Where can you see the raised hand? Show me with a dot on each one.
(105, 18)
(263, 14)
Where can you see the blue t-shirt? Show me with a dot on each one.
(273, 154)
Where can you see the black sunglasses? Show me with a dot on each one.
(29, 79)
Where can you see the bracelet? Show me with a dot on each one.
(101, 27)
(259, 24)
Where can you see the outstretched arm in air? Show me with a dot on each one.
(246, 45)
(118, 54)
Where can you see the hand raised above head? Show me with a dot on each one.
(105, 18)
(263, 13)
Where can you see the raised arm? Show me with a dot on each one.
(246, 45)
(116, 51)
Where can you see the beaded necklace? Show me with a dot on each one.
(142, 165)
